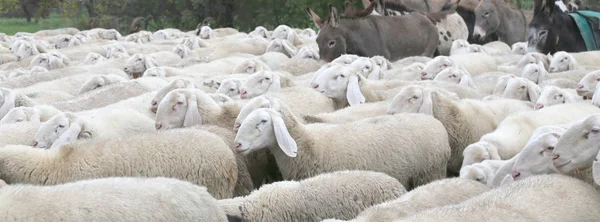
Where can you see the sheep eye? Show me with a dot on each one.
(522, 87)
(415, 97)
(536, 70)
(61, 126)
(550, 148)
(179, 102)
(560, 95)
(478, 180)
(231, 90)
(598, 79)
(595, 130)
(138, 60)
(267, 79)
(263, 121)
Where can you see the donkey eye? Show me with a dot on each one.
(331, 43)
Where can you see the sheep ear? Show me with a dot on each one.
(533, 91)
(572, 65)
(493, 152)
(9, 102)
(275, 86)
(291, 50)
(596, 172)
(192, 116)
(68, 136)
(427, 105)
(570, 98)
(508, 179)
(465, 80)
(353, 93)
(376, 73)
(283, 137)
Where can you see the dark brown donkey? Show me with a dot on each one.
(391, 37)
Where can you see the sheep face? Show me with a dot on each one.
(535, 72)
(454, 75)
(182, 108)
(308, 33)
(474, 172)
(206, 33)
(459, 46)
(578, 146)
(26, 49)
(587, 85)
(229, 87)
(115, 48)
(522, 89)
(382, 62)
(411, 99)
(261, 32)
(247, 66)
(62, 41)
(435, 66)
(519, 48)
(333, 81)
(44, 60)
(552, 95)
(366, 67)
(50, 131)
(282, 32)
(92, 58)
(111, 34)
(478, 152)
(92, 84)
(282, 46)
(345, 59)
(536, 157)
(264, 128)
(157, 72)
(260, 83)
(307, 53)
(181, 50)
(254, 104)
(175, 84)
(162, 35)
(137, 64)
(529, 58)
(20, 114)
(562, 61)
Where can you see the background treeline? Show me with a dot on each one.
(183, 14)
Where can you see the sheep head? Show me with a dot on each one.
(587, 85)
(519, 48)
(264, 101)
(184, 108)
(435, 66)
(339, 82)
(137, 64)
(562, 61)
(478, 152)
(264, 128)
(412, 99)
(456, 75)
(59, 130)
(21, 114)
(260, 83)
(552, 95)
(536, 156)
(522, 89)
(230, 87)
(92, 58)
(173, 85)
(578, 146)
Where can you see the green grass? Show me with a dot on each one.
(11, 26)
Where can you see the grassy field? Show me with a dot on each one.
(11, 26)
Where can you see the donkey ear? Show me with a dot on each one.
(283, 137)
(69, 135)
(353, 93)
(334, 17)
(316, 19)
(192, 115)
(427, 105)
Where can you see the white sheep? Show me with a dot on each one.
(519, 48)
(345, 59)
(231, 87)
(341, 194)
(536, 156)
(307, 53)
(512, 134)
(465, 120)
(578, 146)
(206, 33)
(50, 61)
(250, 66)
(11, 99)
(92, 58)
(483, 63)
(459, 46)
(138, 63)
(522, 89)
(106, 198)
(367, 68)
(157, 72)
(538, 74)
(587, 86)
(40, 113)
(565, 61)
(302, 150)
(432, 195)
(264, 82)
(532, 199)
(67, 127)
(382, 62)
(481, 172)
(194, 43)
(100, 81)
(261, 32)
(210, 162)
(552, 95)
(286, 33)
(456, 75)
(282, 46)
(348, 114)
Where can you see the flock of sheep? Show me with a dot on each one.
(218, 125)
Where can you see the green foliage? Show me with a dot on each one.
(11, 26)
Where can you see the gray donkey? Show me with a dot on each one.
(492, 16)
(391, 37)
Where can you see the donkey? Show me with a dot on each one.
(553, 30)
(391, 37)
(495, 16)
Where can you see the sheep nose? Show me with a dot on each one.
(539, 106)
(516, 174)
(423, 74)
(236, 147)
(555, 156)
(35, 144)
(314, 85)
(158, 126)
